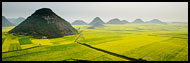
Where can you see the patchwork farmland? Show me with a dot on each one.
(150, 42)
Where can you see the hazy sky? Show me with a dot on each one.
(87, 11)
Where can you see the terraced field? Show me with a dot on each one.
(151, 42)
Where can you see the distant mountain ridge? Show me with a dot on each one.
(124, 21)
(16, 21)
(79, 22)
(114, 21)
(138, 21)
(11, 19)
(6, 22)
(155, 21)
(96, 20)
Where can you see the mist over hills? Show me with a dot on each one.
(16, 21)
(79, 22)
(95, 31)
(97, 24)
(156, 21)
(124, 21)
(138, 21)
(117, 21)
(11, 19)
(114, 21)
(96, 20)
(5, 22)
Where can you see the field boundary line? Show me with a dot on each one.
(111, 53)
(21, 49)
(108, 52)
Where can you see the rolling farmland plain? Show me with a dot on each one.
(150, 42)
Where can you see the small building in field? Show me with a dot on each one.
(44, 37)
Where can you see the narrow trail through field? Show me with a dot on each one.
(79, 36)
(108, 52)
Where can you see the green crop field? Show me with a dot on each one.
(150, 42)
(25, 41)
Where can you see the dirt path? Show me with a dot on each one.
(78, 37)
(108, 52)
